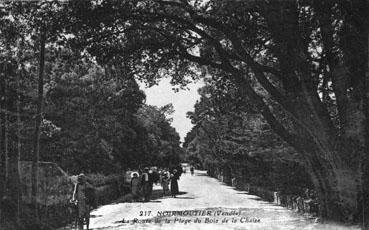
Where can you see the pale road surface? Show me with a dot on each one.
(202, 193)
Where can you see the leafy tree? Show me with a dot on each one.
(38, 21)
(233, 137)
(93, 108)
(308, 57)
(58, 104)
(162, 139)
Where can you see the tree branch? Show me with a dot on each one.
(248, 91)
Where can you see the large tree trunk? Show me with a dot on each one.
(337, 182)
(332, 159)
(354, 45)
(2, 137)
(338, 186)
(36, 142)
(331, 162)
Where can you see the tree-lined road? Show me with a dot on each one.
(201, 193)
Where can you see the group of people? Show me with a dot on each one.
(142, 185)
(84, 197)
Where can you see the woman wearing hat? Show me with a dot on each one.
(135, 186)
(174, 177)
(83, 195)
(164, 180)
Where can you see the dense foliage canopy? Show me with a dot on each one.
(58, 104)
(302, 65)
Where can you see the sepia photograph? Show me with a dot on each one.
(184, 114)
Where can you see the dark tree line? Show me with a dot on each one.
(58, 104)
(230, 137)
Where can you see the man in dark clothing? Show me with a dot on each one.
(147, 184)
(174, 177)
(192, 169)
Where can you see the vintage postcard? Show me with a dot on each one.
(184, 114)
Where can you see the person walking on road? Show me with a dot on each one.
(84, 196)
(192, 169)
(164, 179)
(174, 177)
(135, 187)
(146, 184)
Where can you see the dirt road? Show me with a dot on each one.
(204, 203)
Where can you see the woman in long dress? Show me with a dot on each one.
(165, 182)
(174, 177)
(82, 197)
(135, 187)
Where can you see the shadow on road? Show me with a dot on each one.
(156, 194)
(201, 174)
(256, 198)
(185, 197)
